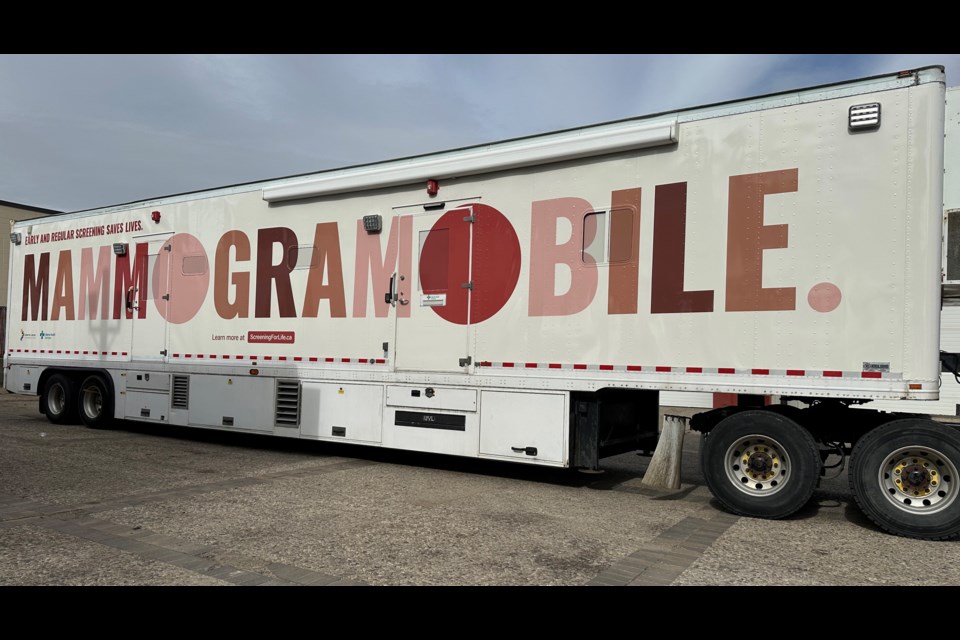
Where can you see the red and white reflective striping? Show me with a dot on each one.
(630, 368)
(76, 352)
(211, 356)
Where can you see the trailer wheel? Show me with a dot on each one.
(904, 477)
(761, 464)
(59, 399)
(95, 403)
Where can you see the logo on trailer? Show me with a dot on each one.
(467, 269)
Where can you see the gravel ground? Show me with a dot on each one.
(151, 505)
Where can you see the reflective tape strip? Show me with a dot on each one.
(635, 368)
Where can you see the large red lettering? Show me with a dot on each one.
(240, 307)
(669, 252)
(63, 289)
(326, 260)
(94, 288)
(371, 267)
(747, 237)
(269, 273)
(36, 281)
(131, 275)
(546, 255)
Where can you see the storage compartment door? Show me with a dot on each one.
(525, 427)
(350, 412)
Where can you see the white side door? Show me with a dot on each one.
(438, 291)
(149, 342)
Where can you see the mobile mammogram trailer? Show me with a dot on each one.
(527, 300)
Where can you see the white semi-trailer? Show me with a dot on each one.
(528, 300)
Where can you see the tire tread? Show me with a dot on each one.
(864, 443)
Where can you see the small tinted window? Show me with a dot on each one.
(594, 237)
(194, 265)
(302, 257)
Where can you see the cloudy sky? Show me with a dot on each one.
(82, 131)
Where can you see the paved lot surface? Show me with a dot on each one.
(148, 505)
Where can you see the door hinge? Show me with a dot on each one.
(166, 296)
(164, 352)
(466, 362)
(168, 247)
(467, 285)
(470, 218)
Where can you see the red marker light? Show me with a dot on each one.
(432, 187)
(155, 216)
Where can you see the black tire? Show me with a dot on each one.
(904, 477)
(95, 402)
(761, 464)
(59, 399)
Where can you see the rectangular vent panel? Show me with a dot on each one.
(288, 403)
(953, 245)
(865, 116)
(181, 392)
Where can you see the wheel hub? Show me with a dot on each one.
(914, 477)
(92, 402)
(56, 399)
(760, 462)
(757, 465)
(919, 480)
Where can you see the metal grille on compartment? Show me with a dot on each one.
(181, 392)
(288, 403)
(953, 245)
(865, 116)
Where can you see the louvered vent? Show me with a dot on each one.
(288, 403)
(181, 392)
(865, 116)
(953, 245)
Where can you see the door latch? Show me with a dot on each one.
(466, 362)
(390, 297)
(530, 451)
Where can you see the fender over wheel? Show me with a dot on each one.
(760, 464)
(904, 477)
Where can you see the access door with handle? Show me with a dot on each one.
(435, 336)
(464, 272)
(149, 276)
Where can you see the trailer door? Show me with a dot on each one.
(435, 335)
(149, 341)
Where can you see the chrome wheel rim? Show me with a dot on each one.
(92, 402)
(758, 465)
(918, 480)
(56, 399)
